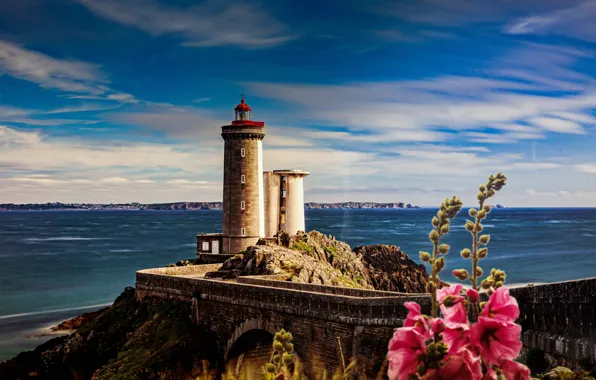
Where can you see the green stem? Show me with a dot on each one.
(475, 261)
(435, 307)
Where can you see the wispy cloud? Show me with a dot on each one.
(213, 23)
(69, 75)
(64, 74)
(586, 168)
(201, 100)
(576, 20)
(500, 108)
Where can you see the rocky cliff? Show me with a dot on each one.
(319, 259)
(129, 340)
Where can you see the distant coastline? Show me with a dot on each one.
(58, 206)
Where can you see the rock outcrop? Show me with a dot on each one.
(77, 322)
(319, 259)
(312, 258)
(388, 268)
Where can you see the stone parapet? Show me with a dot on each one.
(362, 308)
(559, 318)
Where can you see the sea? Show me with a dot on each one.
(55, 265)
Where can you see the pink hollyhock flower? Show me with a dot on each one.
(456, 313)
(456, 336)
(496, 340)
(464, 365)
(515, 371)
(501, 306)
(437, 325)
(405, 347)
(416, 319)
(472, 295)
(490, 374)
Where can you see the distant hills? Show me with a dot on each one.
(187, 206)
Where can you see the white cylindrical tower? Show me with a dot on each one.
(291, 200)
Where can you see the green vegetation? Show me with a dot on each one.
(331, 250)
(302, 246)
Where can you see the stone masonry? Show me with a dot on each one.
(234, 191)
(317, 316)
(558, 320)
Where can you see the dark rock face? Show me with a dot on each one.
(392, 270)
(129, 340)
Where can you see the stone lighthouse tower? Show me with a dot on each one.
(243, 198)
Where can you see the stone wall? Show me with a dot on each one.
(560, 319)
(316, 315)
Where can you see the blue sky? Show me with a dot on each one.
(413, 101)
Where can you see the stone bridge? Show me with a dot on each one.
(558, 320)
(316, 315)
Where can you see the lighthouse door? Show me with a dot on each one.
(215, 246)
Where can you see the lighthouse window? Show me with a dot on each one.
(242, 179)
(205, 246)
(242, 152)
(283, 193)
(243, 232)
(242, 205)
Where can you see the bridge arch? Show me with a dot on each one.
(246, 326)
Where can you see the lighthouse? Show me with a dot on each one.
(243, 198)
(256, 204)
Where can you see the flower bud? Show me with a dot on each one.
(487, 283)
(486, 208)
(465, 253)
(482, 304)
(436, 221)
(431, 287)
(484, 239)
(451, 300)
(270, 368)
(278, 346)
(482, 188)
(445, 228)
(424, 256)
(482, 214)
(482, 252)
(289, 347)
(480, 196)
(421, 369)
(498, 284)
(286, 337)
(461, 274)
(472, 295)
(444, 249)
(478, 228)
(287, 358)
(472, 212)
(469, 225)
(434, 236)
(439, 264)
(437, 325)
(276, 359)
(479, 271)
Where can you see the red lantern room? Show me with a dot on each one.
(242, 115)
